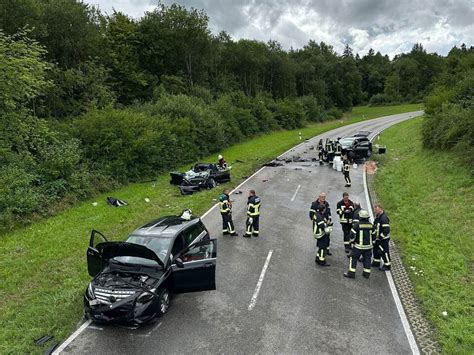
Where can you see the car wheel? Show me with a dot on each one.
(163, 301)
(211, 183)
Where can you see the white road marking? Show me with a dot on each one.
(294, 195)
(253, 301)
(393, 289)
(72, 337)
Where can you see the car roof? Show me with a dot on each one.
(167, 227)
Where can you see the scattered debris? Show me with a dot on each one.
(214, 199)
(147, 199)
(42, 340)
(116, 202)
(273, 163)
(444, 313)
(239, 161)
(245, 177)
(370, 167)
(298, 169)
(264, 180)
(314, 160)
(238, 192)
(311, 148)
(94, 204)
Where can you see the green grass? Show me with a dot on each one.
(43, 269)
(430, 200)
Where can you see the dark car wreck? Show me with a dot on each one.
(200, 176)
(135, 279)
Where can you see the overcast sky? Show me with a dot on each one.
(389, 26)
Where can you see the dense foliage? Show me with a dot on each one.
(88, 101)
(449, 123)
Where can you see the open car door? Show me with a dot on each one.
(199, 271)
(95, 262)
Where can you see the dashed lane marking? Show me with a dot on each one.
(296, 192)
(253, 301)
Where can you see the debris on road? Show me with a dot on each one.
(116, 202)
(42, 340)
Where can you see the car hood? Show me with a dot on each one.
(110, 250)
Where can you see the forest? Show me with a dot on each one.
(90, 101)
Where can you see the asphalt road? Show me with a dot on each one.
(301, 307)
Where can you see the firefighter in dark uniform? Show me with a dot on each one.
(382, 234)
(321, 200)
(329, 151)
(361, 235)
(225, 204)
(338, 148)
(345, 209)
(321, 152)
(253, 215)
(346, 167)
(320, 233)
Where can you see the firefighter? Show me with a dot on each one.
(338, 148)
(321, 233)
(321, 152)
(361, 235)
(225, 204)
(345, 209)
(382, 234)
(346, 167)
(329, 151)
(221, 162)
(321, 200)
(253, 215)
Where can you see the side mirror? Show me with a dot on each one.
(178, 262)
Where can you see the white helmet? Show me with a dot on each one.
(364, 214)
(220, 157)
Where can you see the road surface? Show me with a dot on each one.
(301, 307)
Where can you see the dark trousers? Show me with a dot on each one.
(227, 224)
(382, 252)
(347, 177)
(355, 255)
(346, 230)
(322, 244)
(252, 228)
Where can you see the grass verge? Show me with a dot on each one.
(429, 197)
(43, 270)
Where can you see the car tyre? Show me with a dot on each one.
(211, 183)
(164, 298)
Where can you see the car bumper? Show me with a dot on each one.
(128, 313)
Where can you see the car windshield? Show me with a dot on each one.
(159, 245)
(345, 142)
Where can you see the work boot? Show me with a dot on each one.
(349, 275)
(225, 233)
(386, 268)
(328, 253)
(324, 263)
(366, 275)
(347, 185)
(255, 234)
(234, 234)
(247, 235)
(375, 263)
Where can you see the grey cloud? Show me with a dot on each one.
(392, 25)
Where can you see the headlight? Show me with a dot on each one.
(90, 291)
(146, 296)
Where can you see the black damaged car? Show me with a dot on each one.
(200, 176)
(135, 279)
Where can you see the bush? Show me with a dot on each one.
(333, 114)
(379, 100)
(290, 114)
(313, 111)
